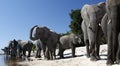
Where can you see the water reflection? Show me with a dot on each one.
(8, 61)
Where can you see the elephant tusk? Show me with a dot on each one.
(99, 24)
(109, 22)
(89, 25)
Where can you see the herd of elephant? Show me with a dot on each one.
(98, 19)
(46, 40)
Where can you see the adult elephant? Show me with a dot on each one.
(49, 40)
(112, 30)
(92, 15)
(67, 42)
(24, 46)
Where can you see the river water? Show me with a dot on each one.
(7, 61)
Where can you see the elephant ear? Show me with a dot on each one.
(73, 37)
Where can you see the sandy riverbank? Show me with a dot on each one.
(80, 60)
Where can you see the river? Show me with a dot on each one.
(7, 61)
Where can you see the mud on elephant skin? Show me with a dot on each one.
(69, 42)
(92, 15)
(49, 40)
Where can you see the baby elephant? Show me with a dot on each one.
(67, 42)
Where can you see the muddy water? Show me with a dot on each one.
(7, 61)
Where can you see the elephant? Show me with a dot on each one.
(111, 28)
(24, 46)
(38, 48)
(92, 15)
(13, 48)
(69, 42)
(49, 40)
(19, 48)
(113, 11)
(6, 50)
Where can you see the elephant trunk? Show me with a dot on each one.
(31, 31)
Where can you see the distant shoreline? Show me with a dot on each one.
(2, 54)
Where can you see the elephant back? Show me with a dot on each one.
(65, 41)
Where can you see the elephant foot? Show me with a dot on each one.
(118, 61)
(93, 58)
(62, 57)
(74, 56)
(98, 57)
(109, 63)
(37, 56)
(88, 56)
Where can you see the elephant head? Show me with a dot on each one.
(39, 32)
(75, 38)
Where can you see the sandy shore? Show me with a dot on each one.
(80, 60)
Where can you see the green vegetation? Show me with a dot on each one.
(76, 21)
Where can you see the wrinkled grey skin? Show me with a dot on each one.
(113, 29)
(118, 52)
(113, 11)
(69, 42)
(92, 15)
(38, 48)
(49, 40)
(24, 46)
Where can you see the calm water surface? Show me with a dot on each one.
(7, 61)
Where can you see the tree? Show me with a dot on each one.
(76, 21)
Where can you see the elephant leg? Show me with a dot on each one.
(85, 33)
(97, 49)
(97, 46)
(115, 10)
(92, 49)
(24, 52)
(110, 46)
(29, 53)
(39, 53)
(118, 52)
(44, 50)
(61, 53)
(36, 54)
(51, 55)
(73, 50)
(87, 48)
(54, 54)
(47, 53)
